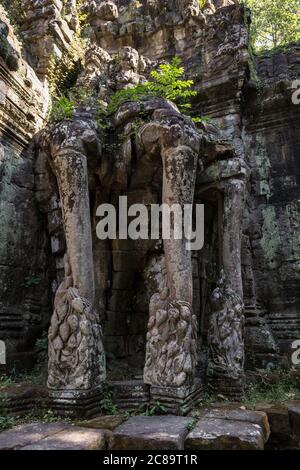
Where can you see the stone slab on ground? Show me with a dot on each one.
(72, 438)
(151, 433)
(239, 414)
(294, 418)
(27, 434)
(225, 434)
(52, 436)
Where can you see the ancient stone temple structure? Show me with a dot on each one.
(148, 318)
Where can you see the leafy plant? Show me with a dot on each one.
(153, 409)
(166, 82)
(82, 14)
(63, 72)
(6, 422)
(192, 424)
(30, 281)
(62, 108)
(107, 405)
(202, 4)
(15, 13)
(5, 382)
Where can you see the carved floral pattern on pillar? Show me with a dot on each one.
(76, 354)
(171, 342)
(226, 334)
(226, 330)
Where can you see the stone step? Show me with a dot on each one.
(214, 429)
(219, 434)
(52, 436)
(151, 433)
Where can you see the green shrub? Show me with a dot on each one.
(166, 82)
(62, 108)
(153, 409)
(107, 405)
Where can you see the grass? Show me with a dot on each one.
(276, 387)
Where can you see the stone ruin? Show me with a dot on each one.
(148, 318)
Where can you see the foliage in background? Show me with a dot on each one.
(275, 23)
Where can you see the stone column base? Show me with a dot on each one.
(230, 388)
(130, 395)
(177, 400)
(76, 403)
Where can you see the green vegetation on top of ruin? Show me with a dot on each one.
(166, 82)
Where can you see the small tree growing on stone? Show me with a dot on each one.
(166, 82)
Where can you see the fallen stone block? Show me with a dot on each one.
(151, 433)
(27, 434)
(238, 414)
(72, 438)
(225, 434)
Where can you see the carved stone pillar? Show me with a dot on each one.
(234, 194)
(70, 168)
(226, 331)
(171, 351)
(172, 328)
(76, 367)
